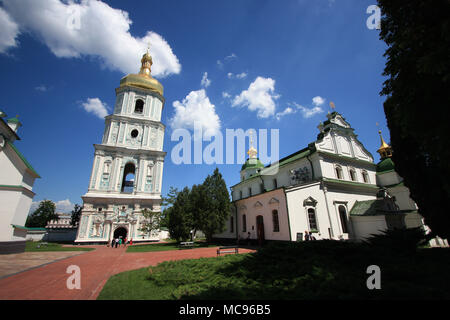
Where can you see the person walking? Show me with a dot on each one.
(117, 242)
(131, 242)
(125, 242)
(120, 241)
(113, 241)
(307, 237)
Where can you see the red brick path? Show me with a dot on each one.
(49, 282)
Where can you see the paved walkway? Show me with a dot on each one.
(18, 262)
(49, 282)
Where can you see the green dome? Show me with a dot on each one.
(252, 163)
(385, 165)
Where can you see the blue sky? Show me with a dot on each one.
(272, 56)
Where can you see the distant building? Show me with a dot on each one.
(332, 189)
(17, 177)
(62, 223)
(61, 230)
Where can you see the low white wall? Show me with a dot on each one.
(365, 227)
(35, 235)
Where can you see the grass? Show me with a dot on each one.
(31, 246)
(164, 246)
(311, 270)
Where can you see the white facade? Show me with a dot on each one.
(16, 183)
(128, 165)
(328, 189)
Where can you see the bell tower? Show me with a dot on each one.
(127, 169)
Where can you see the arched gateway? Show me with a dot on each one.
(120, 232)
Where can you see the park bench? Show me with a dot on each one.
(42, 244)
(227, 249)
(187, 244)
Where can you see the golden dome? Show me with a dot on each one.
(143, 79)
(385, 150)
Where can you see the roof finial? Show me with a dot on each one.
(252, 152)
(385, 150)
(332, 106)
(146, 63)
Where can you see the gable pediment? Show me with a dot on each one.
(274, 201)
(258, 204)
(310, 201)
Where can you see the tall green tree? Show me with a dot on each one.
(417, 33)
(180, 216)
(76, 215)
(166, 203)
(151, 221)
(216, 206)
(197, 204)
(42, 215)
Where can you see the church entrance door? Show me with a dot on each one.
(260, 229)
(120, 232)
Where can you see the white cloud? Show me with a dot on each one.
(92, 28)
(196, 109)
(41, 88)
(64, 206)
(226, 95)
(33, 207)
(220, 64)
(231, 56)
(308, 112)
(205, 81)
(239, 75)
(95, 106)
(259, 97)
(9, 33)
(61, 206)
(318, 101)
(286, 111)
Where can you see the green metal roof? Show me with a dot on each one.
(252, 163)
(25, 161)
(13, 120)
(27, 228)
(351, 183)
(366, 208)
(385, 165)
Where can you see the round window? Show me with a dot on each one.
(134, 133)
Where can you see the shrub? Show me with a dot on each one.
(399, 240)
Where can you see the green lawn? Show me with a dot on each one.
(164, 247)
(31, 246)
(314, 270)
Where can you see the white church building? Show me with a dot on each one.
(128, 165)
(17, 178)
(331, 189)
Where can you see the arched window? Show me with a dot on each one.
(339, 174)
(312, 219)
(240, 194)
(352, 174)
(276, 224)
(139, 106)
(275, 185)
(244, 223)
(365, 176)
(232, 224)
(250, 191)
(128, 178)
(343, 218)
